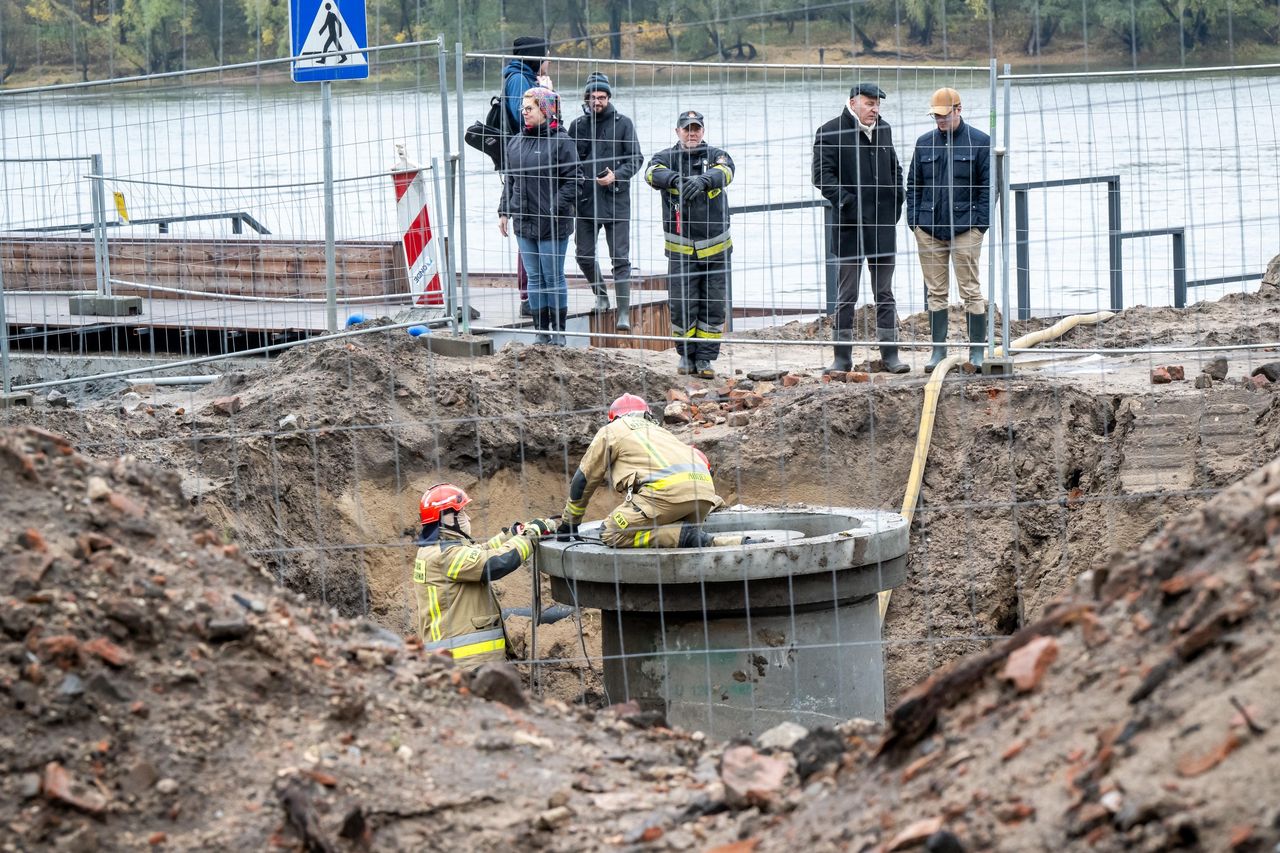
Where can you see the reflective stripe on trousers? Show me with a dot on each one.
(475, 643)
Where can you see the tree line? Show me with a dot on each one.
(99, 38)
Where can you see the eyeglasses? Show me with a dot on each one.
(528, 108)
(599, 97)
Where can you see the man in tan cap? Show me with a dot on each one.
(949, 209)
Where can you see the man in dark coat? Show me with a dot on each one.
(692, 177)
(949, 209)
(610, 153)
(856, 169)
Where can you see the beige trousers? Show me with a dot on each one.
(963, 252)
(628, 526)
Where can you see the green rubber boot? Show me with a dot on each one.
(938, 334)
(977, 337)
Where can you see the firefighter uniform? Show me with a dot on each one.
(663, 480)
(695, 225)
(457, 609)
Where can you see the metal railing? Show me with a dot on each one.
(239, 219)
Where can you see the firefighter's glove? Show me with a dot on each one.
(691, 188)
(567, 531)
(540, 527)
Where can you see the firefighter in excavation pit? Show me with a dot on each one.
(452, 577)
(666, 484)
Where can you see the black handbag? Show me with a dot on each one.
(489, 137)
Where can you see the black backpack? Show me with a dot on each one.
(490, 136)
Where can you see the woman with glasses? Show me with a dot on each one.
(539, 200)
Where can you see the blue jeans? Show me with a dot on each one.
(544, 262)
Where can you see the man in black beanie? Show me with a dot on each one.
(610, 154)
(526, 70)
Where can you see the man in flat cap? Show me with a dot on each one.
(692, 177)
(856, 169)
(949, 209)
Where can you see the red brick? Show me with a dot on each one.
(676, 395)
(1160, 376)
(837, 375)
(1026, 666)
(857, 376)
(790, 380)
(1176, 373)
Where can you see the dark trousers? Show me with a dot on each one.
(617, 235)
(881, 267)
(698, 293)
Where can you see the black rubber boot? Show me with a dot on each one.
(542, 322)
(560, 317)
(938, 334)
(703, 369)
(622, 290)
(844, 352)
(888, 339)
(977, 338)
(525, 310)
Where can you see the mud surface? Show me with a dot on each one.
(310, 466)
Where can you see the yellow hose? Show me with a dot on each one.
(930, 409)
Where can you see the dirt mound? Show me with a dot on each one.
(159, 689)
(1138, 714)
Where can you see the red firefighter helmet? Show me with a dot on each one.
(628, 404)
(439, 498)
(703, 457)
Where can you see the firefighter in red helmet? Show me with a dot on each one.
(452, 576)
(666, 484)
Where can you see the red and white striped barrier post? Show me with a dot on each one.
(415, 231)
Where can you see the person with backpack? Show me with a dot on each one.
(526, 69)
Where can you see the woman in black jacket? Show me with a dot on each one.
(539, 200)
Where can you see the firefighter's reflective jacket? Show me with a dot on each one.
(641, 460)
(694, 224)
(456, 607)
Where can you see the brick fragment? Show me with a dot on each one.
(227, 405)
(790, 380)
(1026, 666)
(58, 785)
(32, 540)
(1195, 765)
(108, 651)
(857, 376)
(1176, 373)
(1012, 750)
(915, 834)
(1160, 376)
(676, 395)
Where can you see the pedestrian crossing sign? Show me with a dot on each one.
(330, 37)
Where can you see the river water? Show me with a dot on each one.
(1200, 153)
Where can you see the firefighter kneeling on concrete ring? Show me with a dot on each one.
(452, 577)
(666, 485)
